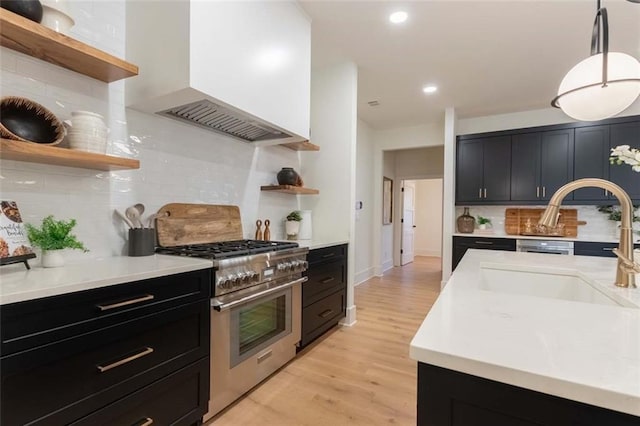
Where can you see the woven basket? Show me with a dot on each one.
(22, 119)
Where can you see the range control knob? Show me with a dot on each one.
(282, 266)
(254, 277)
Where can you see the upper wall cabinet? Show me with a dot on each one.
(541, 163)
(484, 167)
(541, 160)
(238, 68)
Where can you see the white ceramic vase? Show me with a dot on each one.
(52, 258)
(292, 228)
(87, 132)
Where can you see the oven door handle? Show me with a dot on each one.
(218, 306)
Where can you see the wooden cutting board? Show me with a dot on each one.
(516, 219)
(180, 224)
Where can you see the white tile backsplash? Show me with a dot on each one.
(598, 227)
(178, 163)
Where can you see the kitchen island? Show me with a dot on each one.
(499, 323)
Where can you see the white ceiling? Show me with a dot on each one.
(487, 57)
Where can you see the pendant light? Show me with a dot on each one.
(604, 84)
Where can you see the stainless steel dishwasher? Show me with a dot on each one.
(545, 246)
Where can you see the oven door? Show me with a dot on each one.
(252, 339)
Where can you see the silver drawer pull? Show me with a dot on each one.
(126, 360)
(328, 280)
(607, 249)
(144, 422)
(264, 356)
(329, 255)
(484, 242)
(325, 313)
(126, 302)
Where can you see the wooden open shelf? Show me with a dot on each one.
(290, 189)
(302, 146)
(19, 33)
(45, 154)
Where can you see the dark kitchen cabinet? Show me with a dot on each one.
(541, 163)
(462, 244)
(593, 248)
(542, 159)
(324, 295)
(591, 159)
(623, 175)
(484, 169)
(451, 398)
(109, 353)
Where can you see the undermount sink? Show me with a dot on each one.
(556, 284)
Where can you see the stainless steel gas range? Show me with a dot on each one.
(256, 311)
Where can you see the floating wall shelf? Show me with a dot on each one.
(28, 37)
(302, 146)
(290, 189)
(45, 154)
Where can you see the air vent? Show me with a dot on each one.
(211, 116)
(373, 103)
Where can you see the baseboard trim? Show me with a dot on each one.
(387, 265)
(363, 276)
(350, 319)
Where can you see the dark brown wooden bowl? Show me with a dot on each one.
(24, 120)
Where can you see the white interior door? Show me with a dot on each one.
(408, 222)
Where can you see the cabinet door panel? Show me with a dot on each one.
(556, 162)
(469, 170)
(623, 175)
(497, 168)
(591, 160)
(525, 167)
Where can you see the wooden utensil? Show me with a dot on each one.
(182, 224)
(259, 230)
(267, 231)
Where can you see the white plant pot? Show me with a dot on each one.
(482, 226)
(55, 15)
(52, 258)
(292, 228)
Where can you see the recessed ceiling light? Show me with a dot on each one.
(430, 89)
(398, 17)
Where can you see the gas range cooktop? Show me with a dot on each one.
(227, 249)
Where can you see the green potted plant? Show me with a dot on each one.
(483, 222)
(292, 225)
(52, 237)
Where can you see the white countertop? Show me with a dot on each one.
(317, 244)
(18, 284)
(579, 351)
(546, 238)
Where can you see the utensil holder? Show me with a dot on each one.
(142, 241)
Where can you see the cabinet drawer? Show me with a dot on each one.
(66, 380)
(591, 248)
(322, 315)
(324, 279)
(179, 399)
(327, 253)
(42, 321)
(508, 244)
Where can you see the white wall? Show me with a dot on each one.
(428, 217)
(364, 193)
(179, 163)
(419, 163)
(332, 170)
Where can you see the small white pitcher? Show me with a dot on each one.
(87, 132)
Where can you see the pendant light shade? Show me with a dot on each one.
(587, 99)
(604, 84)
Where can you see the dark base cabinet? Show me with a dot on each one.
(451, 398)
(462, 244)
(591, 248)
(125, 354)
(324, 295)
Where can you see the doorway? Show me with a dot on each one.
(421, 233)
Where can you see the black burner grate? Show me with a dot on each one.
(227, 249)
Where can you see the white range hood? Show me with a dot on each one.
(234, 67)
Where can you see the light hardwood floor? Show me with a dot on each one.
(360, 375)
